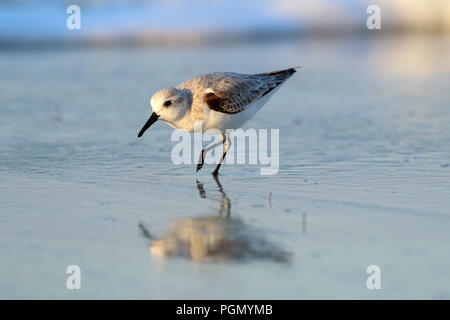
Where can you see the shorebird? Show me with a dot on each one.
(220, 100)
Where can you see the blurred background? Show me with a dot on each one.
(178, 22)
(364, 151)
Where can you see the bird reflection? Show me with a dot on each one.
(214, 238)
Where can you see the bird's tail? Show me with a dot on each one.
(283, 73)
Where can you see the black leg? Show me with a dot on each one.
(201, 160)
(215, 173)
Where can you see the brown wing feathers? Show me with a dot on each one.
(235, 97)
(216, 103)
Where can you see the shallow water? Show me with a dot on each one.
(363, 180)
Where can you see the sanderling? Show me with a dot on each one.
(220, 100)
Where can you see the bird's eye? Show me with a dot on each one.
(167, 103)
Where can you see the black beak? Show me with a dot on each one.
(147, 125)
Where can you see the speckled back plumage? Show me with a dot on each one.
(229, 92)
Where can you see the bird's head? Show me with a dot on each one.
(168, 105)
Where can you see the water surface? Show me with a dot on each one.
(364, 176)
